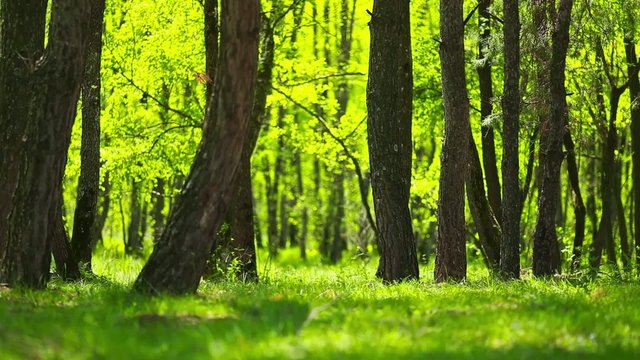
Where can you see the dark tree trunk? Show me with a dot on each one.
(634, 94)
(243, 214)
(604, 238)
(272, 212)
(510, 244)
(178, 260)
(622, 221)
(302, 242)
(242, 228)
(451, 261)
(211, 33)
(389, 105)
(487, 226)
(98, 224)
(38, 101)
(546, 251)
(486, 109)
(338, 242)
(157, 212)
(66, 266)
(134, 237)
(578, 204)
(89, 181)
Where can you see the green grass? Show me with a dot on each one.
(306, 311)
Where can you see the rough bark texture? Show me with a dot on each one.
(89, 180)
(510, 244)
(546, 253)
(604, 237)
(211, 33)
(486, 109)
(105, 205)
(133, 243)
(178, 260)
(579, 209)
(451, 261)
(389, 104)
(157, 212)
(487, 226)
(634, 93)
(38, 95)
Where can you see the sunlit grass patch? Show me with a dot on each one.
(333, 312)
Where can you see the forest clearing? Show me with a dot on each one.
(319, 179)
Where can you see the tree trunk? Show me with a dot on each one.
(510, 244)
(134, 238)
(211, 33)
(38, 101)
(622, 221)
(89, 180)
(546, 252)
(302, 242)
(178, 260)
(634, 94)
(242, 227)
(487, 226)
(486, 109)
(157, 212)
(604, 238)
(389, 105)
(578, 204)
(98, 224)
(66, 266)
(338, 242)
(451, 261)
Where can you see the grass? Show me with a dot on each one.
(306, 311)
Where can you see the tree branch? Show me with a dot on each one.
(361, 182)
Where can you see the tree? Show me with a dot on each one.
(546, 252)
(389, 105)
(39, 89)
(634, 93)
(486, 109)
(451, 262)
(178, 260)
(89, 181)
(510, 244)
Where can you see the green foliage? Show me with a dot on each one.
(301, 311)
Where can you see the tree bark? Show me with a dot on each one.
(211, 34)
(89, 180)
(134, 237)
(98, 225)
(510, 244)
(451, 261)
(389, 105)
(634, 94)
(486, 109)
(38, 95)
(487, 226)
(157, 212)
(546, 252)
(178, 260)
(579, 209)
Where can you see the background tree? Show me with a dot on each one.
(451, 262)
(177, 262)
(510, 245)
(389, 96)
(40, 89)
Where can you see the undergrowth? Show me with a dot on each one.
(303, 310)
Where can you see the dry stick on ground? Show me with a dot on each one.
(361, 182)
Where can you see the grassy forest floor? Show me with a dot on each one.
(333, 312)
